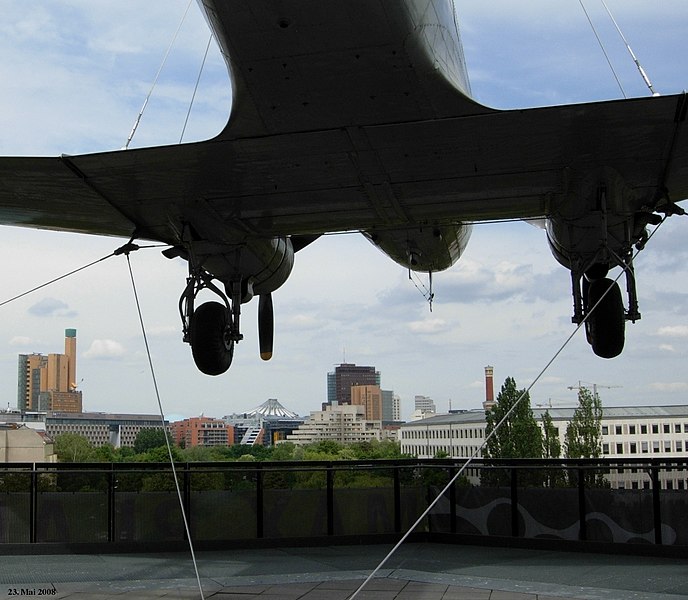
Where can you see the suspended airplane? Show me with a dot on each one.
(359, 116)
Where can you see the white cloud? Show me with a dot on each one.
(21, 341)
(428, 326)
(51, 307)
(675, 331)
(105, 350)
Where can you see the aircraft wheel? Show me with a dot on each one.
(211, 344)
(606, 324)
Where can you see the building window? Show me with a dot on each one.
(618, 430)
(632, 448)
(677, 428)
(631, 429)
(655, 428)
(679, 446)
(643, 429)
(667, 446)
(605, 448)
(655, 446)
(667, 428)
(619, 448)
(644, 447)
(605, 430)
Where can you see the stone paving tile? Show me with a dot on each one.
(464, 593)
(502, 595)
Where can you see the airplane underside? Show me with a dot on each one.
(595, 214)
(357, 116)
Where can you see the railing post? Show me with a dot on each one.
(187, 497)
(452, 502)
(397, 500)
(111, 503)
(330, 498)
(656, 504)
(582, 514)
(33, 506)
(514, 502)
(259, 502)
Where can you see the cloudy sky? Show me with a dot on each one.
(75, 74)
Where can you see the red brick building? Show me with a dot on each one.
(202, 431)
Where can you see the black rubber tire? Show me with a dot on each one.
(210, 345)
(607, 323)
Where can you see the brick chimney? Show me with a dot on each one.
(489, 389)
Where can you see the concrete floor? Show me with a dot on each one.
(416, 571)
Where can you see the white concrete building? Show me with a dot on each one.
(424, 404)
(343, 423)
(632, 432)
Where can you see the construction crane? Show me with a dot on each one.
(582, 384)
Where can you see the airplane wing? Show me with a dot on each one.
(358, 116)
(493, 165)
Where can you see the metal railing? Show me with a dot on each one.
(132, 504)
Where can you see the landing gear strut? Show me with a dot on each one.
(212, 328)
(598, 301)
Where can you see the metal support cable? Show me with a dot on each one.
(162, 419)
(155, 80)
(478, 451)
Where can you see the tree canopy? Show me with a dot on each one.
(584, 432)
(519, 435)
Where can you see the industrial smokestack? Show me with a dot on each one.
(489, 389)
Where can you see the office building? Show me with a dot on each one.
(370, 398)
(202, 431)
(631, 432)
(391, 407)
(346, 375)
(48, 382)
(101, 428)
(424, 405)
(342, 423)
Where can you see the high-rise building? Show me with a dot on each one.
(49, 382)
(346, 375)
(370, 397)
(425, 404)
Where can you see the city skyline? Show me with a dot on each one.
(76, 79)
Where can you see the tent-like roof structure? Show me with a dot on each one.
(270, 409)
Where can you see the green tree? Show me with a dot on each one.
(551, 448)
(516, 434)
(149, 438)
(584, 432)
(72, 447)
(519, 435)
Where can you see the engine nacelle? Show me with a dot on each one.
(263, 264)
(424, 249)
